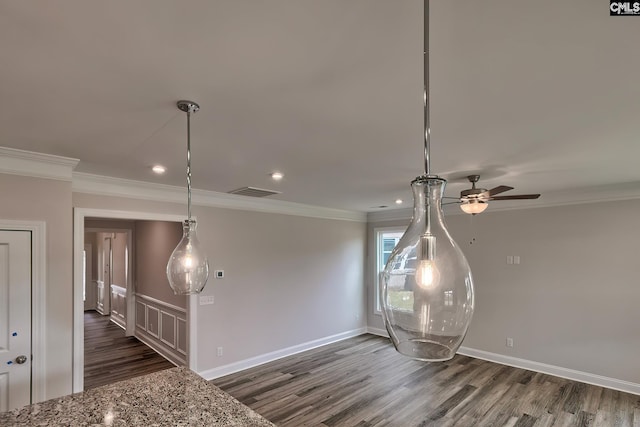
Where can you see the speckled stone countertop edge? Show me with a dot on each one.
(173, 397)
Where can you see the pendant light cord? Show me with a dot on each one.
(189, 164)
(427, 119)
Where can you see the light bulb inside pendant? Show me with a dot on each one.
(427, 274)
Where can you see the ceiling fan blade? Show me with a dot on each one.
(451, 203)
(499, 189)
(516, 197)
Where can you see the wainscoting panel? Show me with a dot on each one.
(141, 316)
(100, 294)
(168, 328)
(153, 317)
(162, 327)
(182, 337)
(119, 305)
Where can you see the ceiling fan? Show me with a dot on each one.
(474, 200)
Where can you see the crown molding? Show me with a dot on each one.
(390, 215)
(109, 186)
(578, 196)
(37, 165)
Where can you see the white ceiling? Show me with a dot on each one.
(540, 95)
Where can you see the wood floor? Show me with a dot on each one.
(110, 356)
(363, 381)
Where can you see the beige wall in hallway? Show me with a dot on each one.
(155, 241)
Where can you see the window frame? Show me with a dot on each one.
(378, 234)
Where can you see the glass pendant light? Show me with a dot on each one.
(188, 267)
(427, 289)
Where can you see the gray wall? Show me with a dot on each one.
(288, 279)
(155, 241)
(573, 300)
(35, 199)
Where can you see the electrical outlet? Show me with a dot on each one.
(220, 349)
(509, 259)
(509, 342)
(206, 299)
(516, 259)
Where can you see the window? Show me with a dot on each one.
(386, 240)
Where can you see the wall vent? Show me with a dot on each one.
(254, 192)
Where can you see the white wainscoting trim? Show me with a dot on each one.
(161, 304)
(156, 316)
(558, 371)
(173, 318)
(141, 312)
(181, 350)
(157, 340)
(221, 371)
(109, 186)
(118, 306)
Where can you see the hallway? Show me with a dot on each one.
(110, 356)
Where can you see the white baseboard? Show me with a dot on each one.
(231, 368)
(571, 374)
(557, 371)
(377, 331)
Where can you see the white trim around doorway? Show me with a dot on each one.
(79, 216)
(38, 231)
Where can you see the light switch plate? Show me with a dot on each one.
(206, 299)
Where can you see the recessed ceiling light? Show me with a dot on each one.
(398, 201)
(159, 169)
(277, 176)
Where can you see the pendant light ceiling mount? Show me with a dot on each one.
(188, 106)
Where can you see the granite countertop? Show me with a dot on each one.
(173, 397)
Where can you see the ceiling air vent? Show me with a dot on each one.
(254, 192)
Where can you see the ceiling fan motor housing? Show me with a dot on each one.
(472, 193)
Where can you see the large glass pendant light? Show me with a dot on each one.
(188, 267)
(427, 288)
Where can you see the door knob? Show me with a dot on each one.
(21, 359)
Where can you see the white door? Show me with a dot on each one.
(15, 319)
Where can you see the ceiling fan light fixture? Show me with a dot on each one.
(474, 206)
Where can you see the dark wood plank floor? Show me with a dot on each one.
(363, 381)
(110, 356)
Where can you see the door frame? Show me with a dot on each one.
(38, 231)
(79, 216)
(88, 250)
